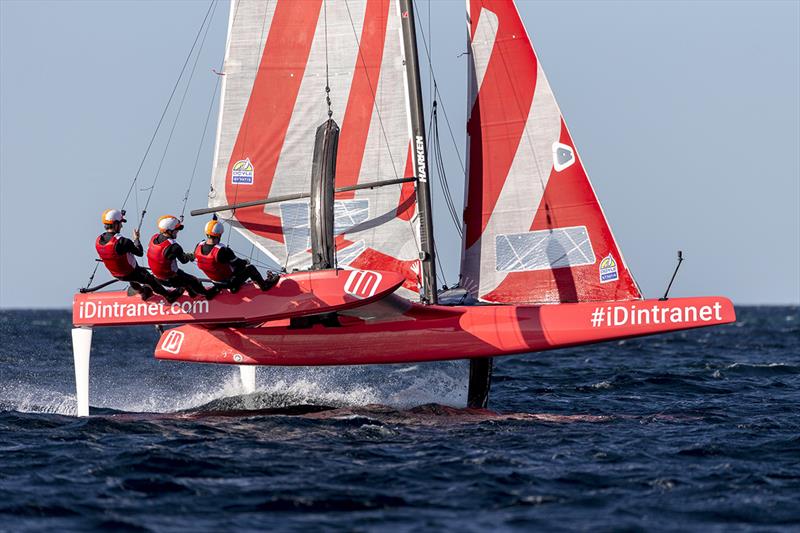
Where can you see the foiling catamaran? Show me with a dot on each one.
(321, 162)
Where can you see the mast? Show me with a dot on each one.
(419, 150)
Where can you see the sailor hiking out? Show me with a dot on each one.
(119, 254)
(221, 265)
(163, 254)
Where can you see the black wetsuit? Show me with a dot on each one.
(181, 279)
(242, 270)
(140, 276)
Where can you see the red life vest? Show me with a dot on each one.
(119, 265)
(161, 267)
(210, 265)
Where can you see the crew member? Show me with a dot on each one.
(117, 253)
(163, 255)
(221, 265)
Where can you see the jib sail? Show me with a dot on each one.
(534, 229)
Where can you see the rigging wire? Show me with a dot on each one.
(166, 107)
(134, 182)
(200, 147)
(91, 276)
(175, 121)
(327, 78)
(246, 124)
(436, 150)
(437, 95)
(372, 90)
(440, 271)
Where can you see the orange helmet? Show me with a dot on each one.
(214, 228)
(113, 215)
(169, 223)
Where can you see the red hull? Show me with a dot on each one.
(297, 294)
(396, 331)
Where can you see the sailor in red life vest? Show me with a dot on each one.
(117, 253)
(163, 254)
(221, 265)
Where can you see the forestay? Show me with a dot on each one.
(279, 54)
(534, 230)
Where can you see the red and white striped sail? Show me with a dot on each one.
(534, 229)
(274, 99)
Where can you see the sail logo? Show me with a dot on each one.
(608, 269)
(362, 283)
(563, 156)
(172, 341)
(242, 172)
(422, 175)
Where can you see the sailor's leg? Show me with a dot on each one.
(264, 284)
(140, 275)
(237, 279)
(252, 272)
(192, 284)
(81, 347)
(247, 373)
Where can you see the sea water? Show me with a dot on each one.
(695, 430)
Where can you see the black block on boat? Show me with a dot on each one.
(480, 381)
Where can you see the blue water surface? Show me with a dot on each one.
(695, 430)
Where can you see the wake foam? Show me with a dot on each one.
(179, 387)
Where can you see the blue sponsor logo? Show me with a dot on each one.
(242, 173)
(608, 269)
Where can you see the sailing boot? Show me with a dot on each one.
(174, 295)
(145, 292)
(212, 292)
(142, 290)
(271, 281)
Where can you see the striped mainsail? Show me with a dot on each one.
(534, 229)
(278, 57)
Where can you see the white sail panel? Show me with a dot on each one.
(274, 99)
(534, 230)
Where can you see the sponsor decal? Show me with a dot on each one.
(242, 172)
(608, 269)
(362, 283)
(173, 341)
(421, 174)
(615, 316)
(563, 156)
(89, 310)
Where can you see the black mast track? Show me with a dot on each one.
(427, 254)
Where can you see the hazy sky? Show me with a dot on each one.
(686, 115)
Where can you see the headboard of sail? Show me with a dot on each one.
(278, 56)
(534, 229)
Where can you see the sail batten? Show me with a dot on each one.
(534, 229)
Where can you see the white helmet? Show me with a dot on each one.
(169, 223)
(113, 215)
